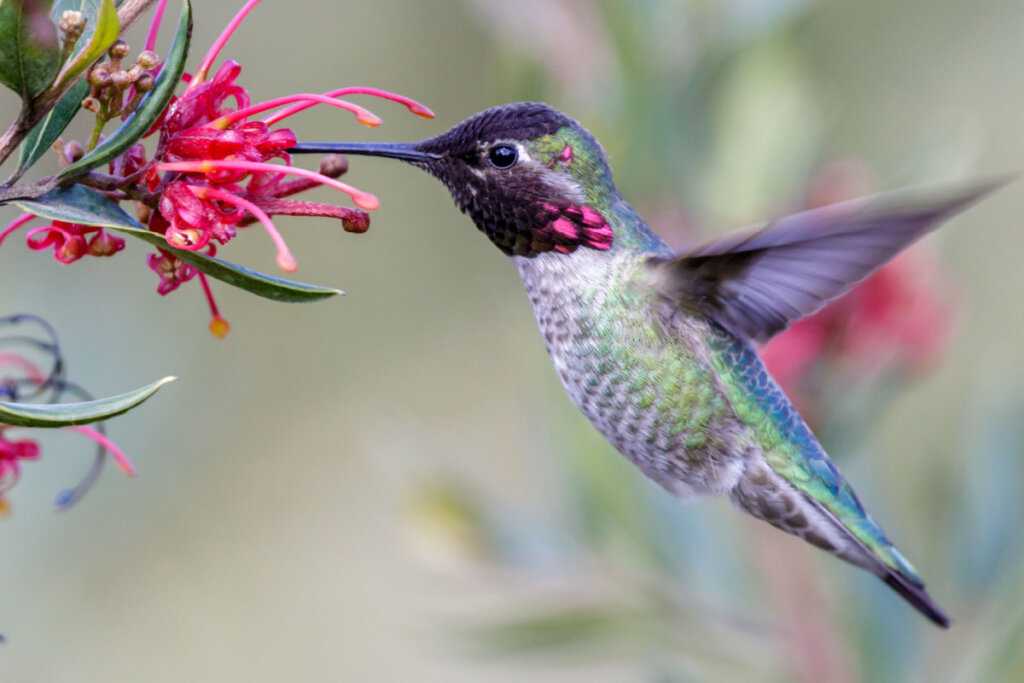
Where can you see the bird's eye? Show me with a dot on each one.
(503, 156)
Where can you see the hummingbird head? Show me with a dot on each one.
(531, 178)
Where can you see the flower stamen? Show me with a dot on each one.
(363, 115)
(285, 259)
(219, 327)
(415, 107)
(363, 200)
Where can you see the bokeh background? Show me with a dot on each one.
(392, 486)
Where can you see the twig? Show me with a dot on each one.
(32, 113)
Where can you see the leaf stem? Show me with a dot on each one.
(101, 120)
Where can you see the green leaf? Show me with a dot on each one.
(80, 204)
(105, 29)
(260, 284)
(49, 129)
(29, 49)
(68, 414)
(149, 108)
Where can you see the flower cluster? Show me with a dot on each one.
(23, 380)
(11, 454)
(216, 166)
(69, 241)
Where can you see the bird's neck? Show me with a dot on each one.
(563, 276)
(631, 232)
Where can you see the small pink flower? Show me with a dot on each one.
(172, 271)
(11, 453)
(68, 241)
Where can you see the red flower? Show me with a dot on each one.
(213, 170)
(69, 241)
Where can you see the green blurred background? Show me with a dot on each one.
(392, 486)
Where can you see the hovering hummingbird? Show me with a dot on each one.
(657, 348)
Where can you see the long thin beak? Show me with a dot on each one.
(407, 151)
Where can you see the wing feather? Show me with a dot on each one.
(755, 282)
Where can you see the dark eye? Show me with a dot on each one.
(503, 156)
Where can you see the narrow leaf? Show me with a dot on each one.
(68, 414)
(49, 129)
(83, 205)
(79, 204)
(29, 49)
(149, 108)
(105, 29)
(260, 284)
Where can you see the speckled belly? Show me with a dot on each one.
(645, 383)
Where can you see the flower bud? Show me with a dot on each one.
(72, 23)
(134, 71)
(120, 79)
(73, 151)
(148, 60)
(98, 76)
(91, 103)
(119, 50)
(357, 222)
(145, 83)
(334, 165)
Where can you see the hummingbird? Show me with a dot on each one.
(658, 348)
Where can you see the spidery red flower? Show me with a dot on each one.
(217, 168)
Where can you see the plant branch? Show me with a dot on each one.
(32, 113)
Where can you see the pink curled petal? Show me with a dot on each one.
(120, 458)
(50, 234)
(15, 224)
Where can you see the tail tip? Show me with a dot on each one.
(917, 597)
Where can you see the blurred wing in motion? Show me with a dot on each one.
(754, 282)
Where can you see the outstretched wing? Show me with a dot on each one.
(755, 282)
